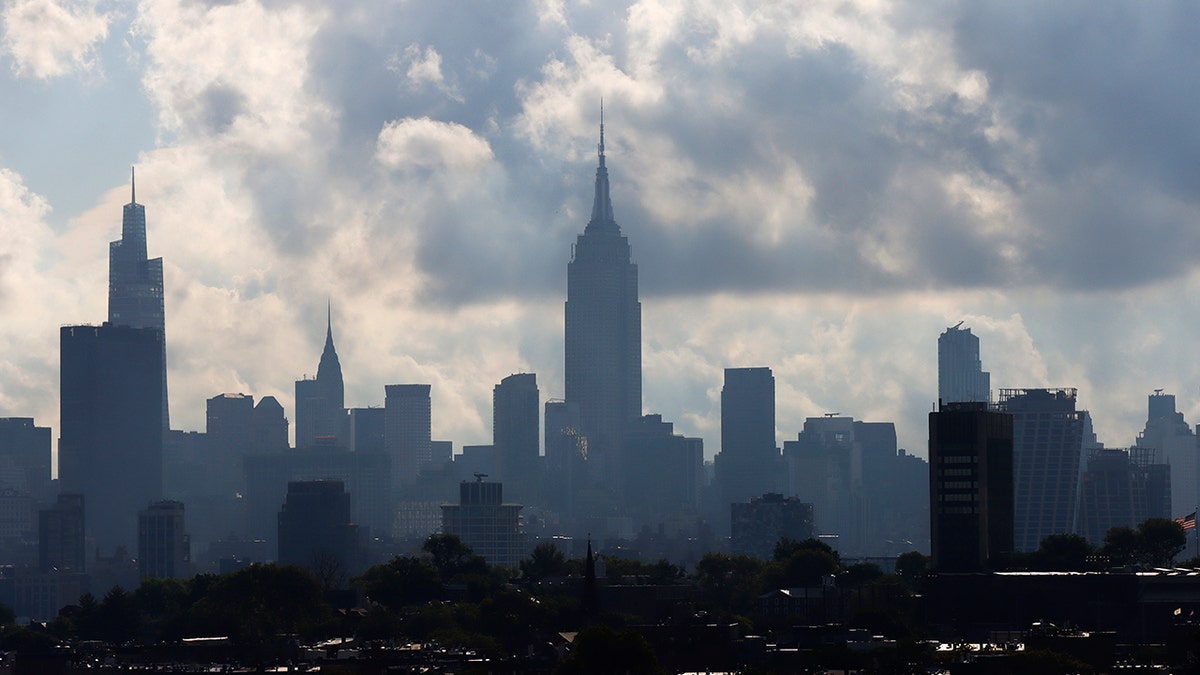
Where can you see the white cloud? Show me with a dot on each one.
(49, 38)
(430, 144)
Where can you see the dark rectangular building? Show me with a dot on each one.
(970, 486)
(111, 447)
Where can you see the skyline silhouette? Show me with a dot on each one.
(814, 194)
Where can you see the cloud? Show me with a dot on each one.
(818, 187)
(49, 38)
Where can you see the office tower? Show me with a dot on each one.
(320, 403)
(484, 522)
(366, 475)
(970, 486)
(407, 429)
(749, 462)
(603, 374)
(60, 535)
(1169, 437)
(269, 426)
(25, 457)
(842, 466)
(1122, 488)
(315, 529)
(566, 455)
(229, 425)
(515, 433)
(135, 284)
(757, 525)
(164, 550)
(960, 372)
(662, 480)
(366, 429)
(1049, 439)
(111, 444)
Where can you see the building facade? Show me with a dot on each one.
(316, 531)
(164, 549)
(603, 333)
(757, 525)
(111, 444)
(970, 486)
(749, 463)
(515, 433)
(1050, 438)
(135, 285)
(321, 418)
(961, 377)
(407, 429)
(484, 522)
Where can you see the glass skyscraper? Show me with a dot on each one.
(961, 378)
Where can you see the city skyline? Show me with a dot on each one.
(800, 195)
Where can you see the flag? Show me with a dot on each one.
(1187, 522)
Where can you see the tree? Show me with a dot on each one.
(1063, 553)
(1121, 546)
(912, 565)
(402, 581)
(731, 582)
(452, 557)
(545, 561)
(1160, 540)
(602, 650)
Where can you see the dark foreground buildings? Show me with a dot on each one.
(970, 486)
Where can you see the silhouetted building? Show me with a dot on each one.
(365, 475)
(1168, 436)
(663, 473)
(961, 376)
(164, 549)
(229, 425)
(406, 431)
(749, 462)
(366, 430)
(320, 403)
(25, 457)
(757, 525)
(270, 430)
(135, 285)
(111, 447)
(1049, 439)
(566, 455)
(603, 373)
(316, 530)
(970, 485)
(60, 535)
(843, 467)
(1122, 488)
(484, 522)
(515, 433)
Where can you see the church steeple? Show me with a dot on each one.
(602, 211)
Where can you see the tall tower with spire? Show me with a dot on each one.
(603, 336)
(135, 283)
(320, 403)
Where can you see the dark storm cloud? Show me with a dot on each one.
(1104, 95)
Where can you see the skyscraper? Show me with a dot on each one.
(164, 550)
(1169, 437)
(1050, 438)
(111, 444)
(603, 374)
(515, 432)
(483, 521)
(320, 404)
(970, 485)
(135, 283)
(749, 462)
(407, 429)
(961, 377)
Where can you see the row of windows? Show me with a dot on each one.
(951, 510)
(959, 459)
(959, 484)
(957, 498)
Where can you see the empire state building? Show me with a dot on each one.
(603, 333)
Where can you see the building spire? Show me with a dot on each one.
(328, 324)
(602, 212)
(133, 176)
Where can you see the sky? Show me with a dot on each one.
(821, 187)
